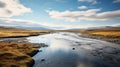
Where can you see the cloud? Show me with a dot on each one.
(27, 23)
(18, 22)
(82, 7)
(63, 26)
(89, 1)
(116, 1)
(9, 8)
(71, 26)
(91, 14)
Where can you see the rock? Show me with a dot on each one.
(73, 48)
(42, 59)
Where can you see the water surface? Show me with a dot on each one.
(69, 50)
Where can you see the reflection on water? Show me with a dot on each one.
(61, 45)
(60, 52)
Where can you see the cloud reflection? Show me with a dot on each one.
(59, 45)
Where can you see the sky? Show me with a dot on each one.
(60, 14)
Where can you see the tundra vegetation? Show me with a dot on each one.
(14, 32)
(17, 54)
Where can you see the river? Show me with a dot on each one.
(70, 50)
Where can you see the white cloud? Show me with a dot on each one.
(18, 22)
(63, 26)
(82, 7)
(116, 1)
(91, 14)
(9, 8)
(89, 1)
(27, 23)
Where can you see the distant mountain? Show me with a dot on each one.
(25, 28)
(97, 28)
(9, 28)
(33, 28)
(103, 27)
(59, 28)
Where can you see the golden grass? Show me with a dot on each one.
(16, 54)
(17, 33)
(105, 33)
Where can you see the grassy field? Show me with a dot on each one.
(104, 33)
(12, 32)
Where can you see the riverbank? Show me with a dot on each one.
(21, 33)
(15, 51)
(112, 40)
(112, 36)
(17, 54)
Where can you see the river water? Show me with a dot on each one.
(70, 50)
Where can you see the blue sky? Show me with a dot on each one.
(60, 13)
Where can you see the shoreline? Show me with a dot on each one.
(108, 39)
(14, 53)
(22, 36)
